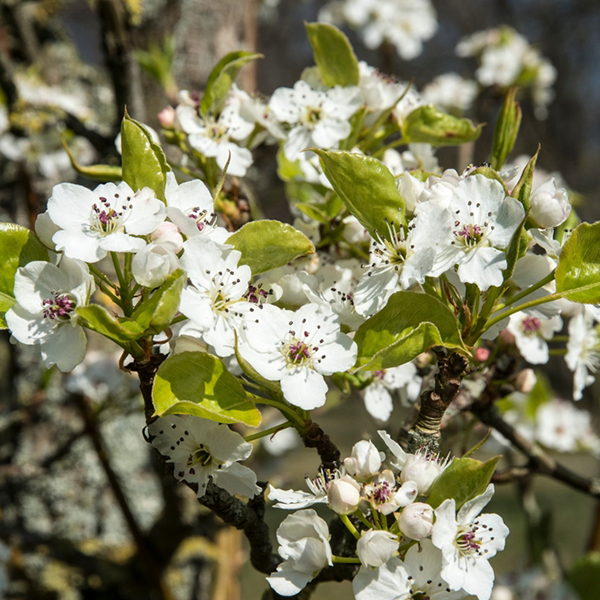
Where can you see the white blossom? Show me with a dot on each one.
(583, 352)
(44, 314)
(467, 541)
(107, 219)
(201, 450)
(343, 495)
(549, 205)
(293, 500)
(416, 520)
(365, 460)
(451, 92)
(298, 349)
(304, 545)
(531, 334)
(376, 547)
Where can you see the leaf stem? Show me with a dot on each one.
(266, 432)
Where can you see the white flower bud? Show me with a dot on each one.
(45, 229)
(168, 235)
(152, 265)
(525, 381)
(365, 460)
(549, 206)
(420, 470)
(406, 494)
(416, 521)
(343, 495)
(376, 547)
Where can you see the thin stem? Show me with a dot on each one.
(345, 559)
(376, 519)
(527, 291)
(346, 521)
(100, 275)
(266, 432)
(285, 410)
(359, 515)
(389, 146)
(560, 338)
(558, 352)
(178, 319)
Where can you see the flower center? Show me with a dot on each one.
(467, 542)
(58, 306)
(382, 492)
(531, 325)
(471, 234)
(202, 218)
(256, 294)
(298, 353)
(313, 115)
(420, 596)
(106, 219)
(379, 375)
(200, 457)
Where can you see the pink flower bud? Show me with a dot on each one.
(343, 495)
(167, 117)
(168, 234)
(416, 521)
(482, 354)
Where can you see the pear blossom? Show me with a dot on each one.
(293, 500)
(482, 221)
(298, 349)
(376, 547)
(378, 400)
(44, 313)
(152, 265)
(214, 299)
(365, 460)
(343, 495)
(451, 92)
(218, 137)
(107, 219)
(583, 352)
(549, 206)
(317, 118)
(531, 334)
(202, 450)
(467, 540)
(380, 91)
(416, 521)
(386, 496)
(304, 545)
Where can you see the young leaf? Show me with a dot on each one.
(221, 79)
(522, 190)
(18, 246)
(410, 323)
(144, 162)
(98, 172)
(157, 312)
(197, 383)
(333, 54)
(507, 128)
(266, 245)
(120, 330)
(578, 271)
(584, 576)
(366, 187)
(428, 125)
(464, 479)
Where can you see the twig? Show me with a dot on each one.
(539, 461)
(315, 437)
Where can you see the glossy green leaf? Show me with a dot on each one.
(120, 330)
(333, 54)
(18, 246)
(221, 79)
(366, 187)
(266, 245)
(144, 162)
(410, 323)
(197, 383)
(584, 576)
(522, 190)
(578, 271)
(506, 130)
(157, 312)
(428, 125)
(97, 172)
(463, 480)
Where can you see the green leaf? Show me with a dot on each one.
(584, 576)
(144, 162)
(333, 54)
(516, 249)
(578, 271)
(157, 312)
(221, 79)
(410, 323)
(18, 246)
(427, 124)
(366, 187)
(463, 480)
(197, 383)
(522, 190)
(286, 169)
(507, 128)
(266, 245)
(120, 330)
(96, 172)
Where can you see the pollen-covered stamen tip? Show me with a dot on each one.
(299, 352)
(531, 324)
(468, 543)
